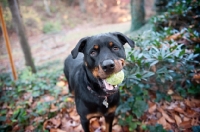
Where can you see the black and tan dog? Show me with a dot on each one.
(102, 55)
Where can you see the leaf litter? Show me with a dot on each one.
(179, 115)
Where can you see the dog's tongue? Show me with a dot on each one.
(108, 86)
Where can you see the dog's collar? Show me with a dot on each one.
(105, 101)
(101, 96)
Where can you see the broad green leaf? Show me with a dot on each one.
(148, 74)
(2, 118)
(139, 107)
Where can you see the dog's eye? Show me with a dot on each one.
(93, 53)
(115, 48)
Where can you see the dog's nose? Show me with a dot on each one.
(108, 65)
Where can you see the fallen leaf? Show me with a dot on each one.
(196, 102)
(180, 110)
(163, 122)
(185, 124)
(74, 115)
(195, 39)
(153, 68)
(152, 108)
(47, 98)
(78, 129)
(16, 128)
(172, 105)
(125, 129)
(177, 119)
(70, 99)
(29, 97)
(65, 90)
(99, 129)
(186, 118)
(56, 130)
(5, 106)
(68, 125)
(52, 123)
(195, 122)
(174, 36)
(38, 119)
(53, 108)
(190, 113)
(158, 115)
(116, 128)
(62, 77)
(177, 97)
(170, 92)
(29, 128)
(61, 84)
(166, 116)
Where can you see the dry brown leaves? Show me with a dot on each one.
(184, 38)
(180, 114)
(176, 115)
(68, 120)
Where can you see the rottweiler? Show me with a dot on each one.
(101, 56)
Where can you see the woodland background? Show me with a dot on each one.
(161, 88)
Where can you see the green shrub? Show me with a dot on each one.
(154, 65)
(50, 27)
(160, 63)
(4, 3)
(181, 14)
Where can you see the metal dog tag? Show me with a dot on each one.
(105, 102)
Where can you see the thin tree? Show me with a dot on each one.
(20, 29)
(137, 14)
(46, 5)
(82, 6)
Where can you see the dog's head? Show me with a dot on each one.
(103, 54)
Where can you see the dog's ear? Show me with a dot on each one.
(124, 39)
(79, 47)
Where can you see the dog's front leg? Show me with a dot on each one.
(85, 124)
(109, 120)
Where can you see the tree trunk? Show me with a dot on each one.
(46, 6)
(137, 14)
(82, 6)
(20, 29)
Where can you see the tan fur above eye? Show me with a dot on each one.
(110, 44)
(96, 47)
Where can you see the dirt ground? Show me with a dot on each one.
(49, 47)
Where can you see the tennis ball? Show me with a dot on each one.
(116, 78)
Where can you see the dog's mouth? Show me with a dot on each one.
(107, 87)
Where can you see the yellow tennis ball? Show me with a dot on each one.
(116, 78)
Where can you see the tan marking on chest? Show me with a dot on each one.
(112, 109)
(89, 116)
